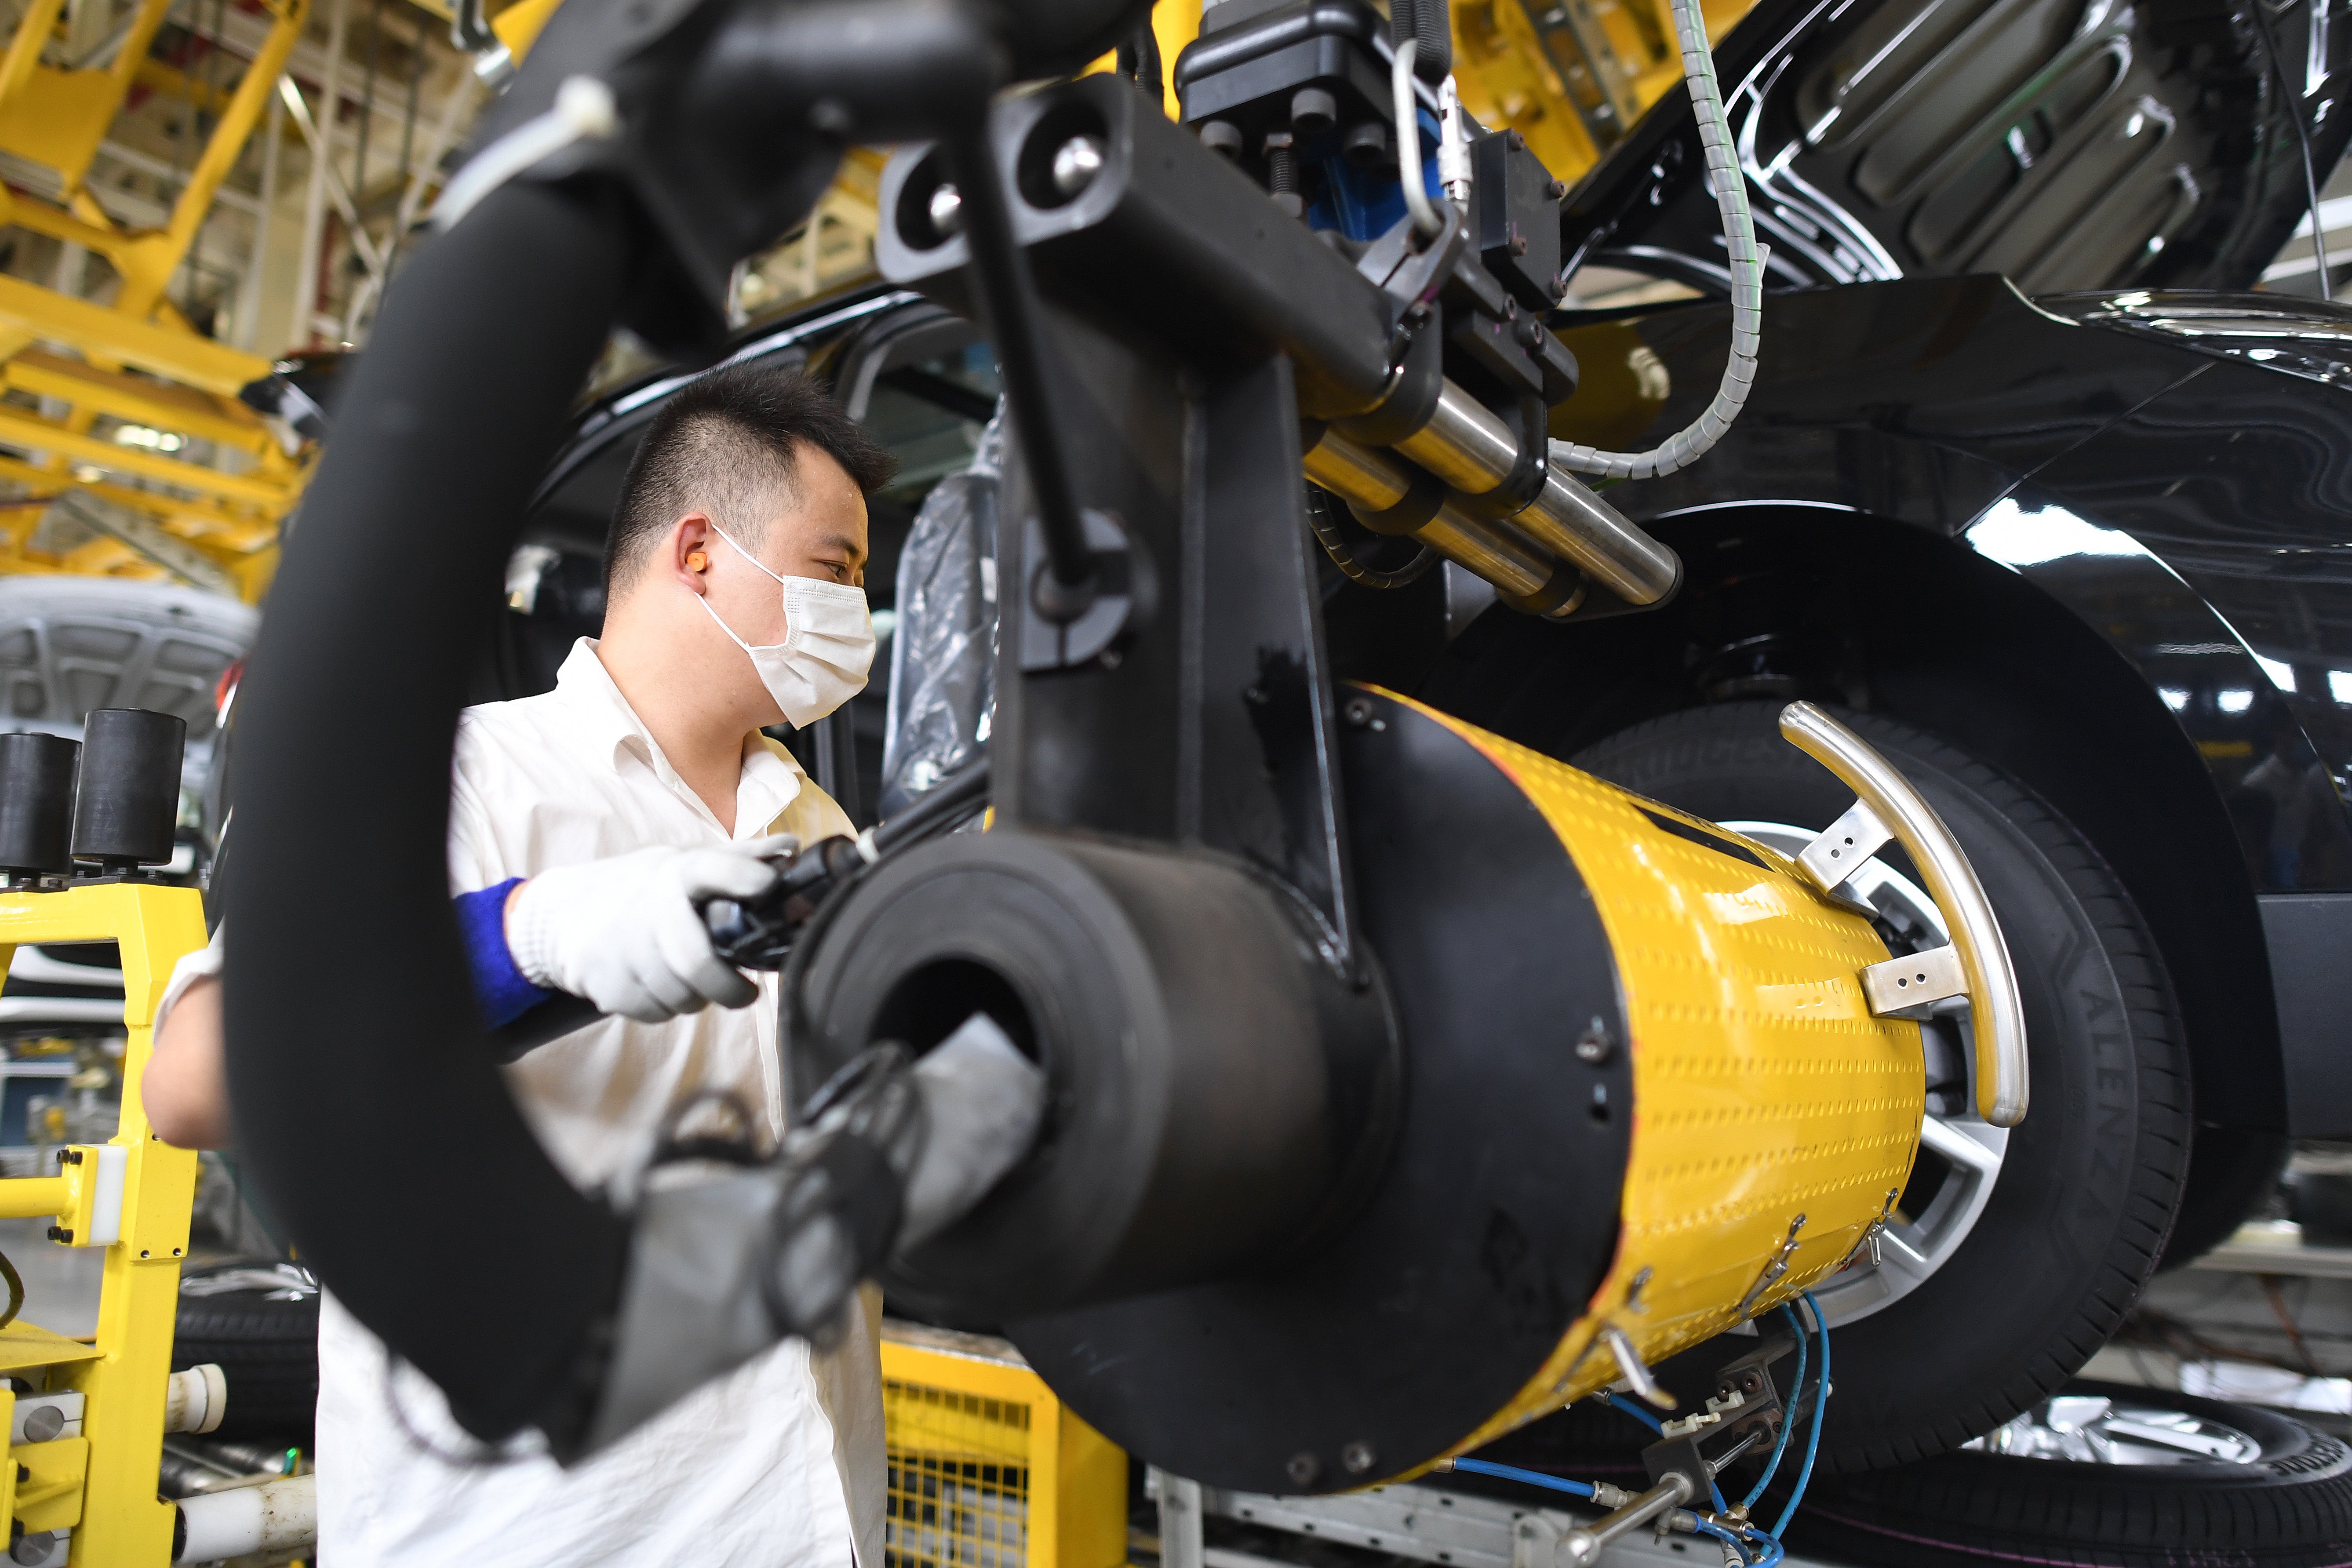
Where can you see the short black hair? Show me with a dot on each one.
(726, 443)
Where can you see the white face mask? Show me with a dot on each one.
(828, 645)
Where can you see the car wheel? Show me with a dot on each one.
(2231, 1171)
(259, 1322)
(2102, 1476)
(2016, 1252)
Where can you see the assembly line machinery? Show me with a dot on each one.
(1372, 1037)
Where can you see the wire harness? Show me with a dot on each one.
(1730, 187)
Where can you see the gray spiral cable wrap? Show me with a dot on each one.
(1692, 441)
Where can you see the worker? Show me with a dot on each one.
(588, 820)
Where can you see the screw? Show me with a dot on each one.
(1555, 190)
(1108, 658)
(1075, 164)
(1358, 713)
(59, 1233)
(1356, 1457)
(1594, 1044)
(1255, 696)
(947, 211)
(1302, 1468)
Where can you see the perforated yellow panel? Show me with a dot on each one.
(987, 1470)
(1763, 1088)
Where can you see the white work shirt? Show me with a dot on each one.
(780, 1462)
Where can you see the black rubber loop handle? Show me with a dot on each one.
(366, 1102)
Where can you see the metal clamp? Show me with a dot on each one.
(1977, 964)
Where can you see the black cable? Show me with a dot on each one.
(15, 1291)
(1008, 295)
(1327, 534)
(2294, 102)
(1138, 61)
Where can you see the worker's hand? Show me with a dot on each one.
(625, 932)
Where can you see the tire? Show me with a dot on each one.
(2291, 1507)
(2079, 1210)
(2232, 1170)
(268, 1350)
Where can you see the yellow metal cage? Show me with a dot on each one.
(987, 1468)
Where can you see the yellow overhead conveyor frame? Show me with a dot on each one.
(131, 1196)
(57, 118)
(1775, 1118)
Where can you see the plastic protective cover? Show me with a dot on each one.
(943, 649)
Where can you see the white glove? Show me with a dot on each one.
(625, 934)
(982, 1101)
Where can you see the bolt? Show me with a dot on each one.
(1221, 136)
(1518, 241)
(1302, 1468)
(1313, 110)
(1595, 1045)
(1075, 164)
(1255, 696)
(1358, 1456)
(947, 211)
(1108, 658)
(60, 1234)
(1358, 713)
(1516, 143)
(1555, 190)
(831, 116)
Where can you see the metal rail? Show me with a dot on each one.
(1976, 963)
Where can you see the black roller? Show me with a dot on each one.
(129, 798)
(37, 780)
(1206, 1319)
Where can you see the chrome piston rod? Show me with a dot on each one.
(1464, 444)
(1375, 481)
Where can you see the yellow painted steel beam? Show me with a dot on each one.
(108, 334)
(23, 56)
(115, 1513)
(57, 117)
(230, 537)
(147, 264)
(32, 213)
(36, 434)
(180, 87)
(139, 402)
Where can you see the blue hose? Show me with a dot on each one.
(1797, 1387)
(1630, 1408)
(1532, 1477)
(1813, 1437)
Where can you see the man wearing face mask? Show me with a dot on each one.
(604, 809)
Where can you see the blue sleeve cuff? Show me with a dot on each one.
(499, 988)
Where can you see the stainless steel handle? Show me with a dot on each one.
(1976, 963)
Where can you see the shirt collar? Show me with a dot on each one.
(611, 730)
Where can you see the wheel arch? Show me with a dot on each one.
(1955, 644)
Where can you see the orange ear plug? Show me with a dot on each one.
(696, 560)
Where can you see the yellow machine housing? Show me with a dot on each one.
(1775, 1119)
